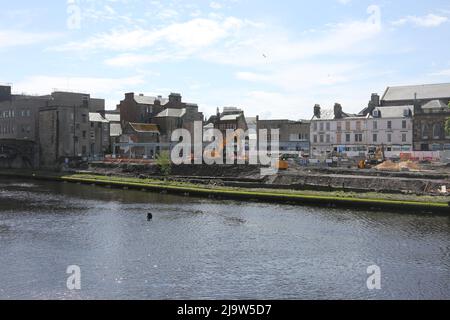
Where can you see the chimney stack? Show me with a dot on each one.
(337, 111)
(375, 100)
(317, 111)
(5, 93)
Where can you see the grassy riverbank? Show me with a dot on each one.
(345, 199)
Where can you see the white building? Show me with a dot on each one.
(391, 127)
(336, 133)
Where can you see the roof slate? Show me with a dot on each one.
(425, 91)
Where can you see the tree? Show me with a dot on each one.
(164, 163)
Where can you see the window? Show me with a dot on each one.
(437, 131)
(84, 134)
(425, 130)
(321, 126)
(375, 125)
(347, 125)
(404, 137)
(339, 138)
(84, 118)
(339, 126)
(328, 138)
(375, 138)
(358, 125)
(328, 126)
(321, 138)
(389, 137)
(347, 137)
(315, 126)
(404, 124)
(315, 139)
(389, 125)
(358, 137)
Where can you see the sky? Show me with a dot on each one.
(275, 59)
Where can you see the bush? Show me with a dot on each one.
(164, 163)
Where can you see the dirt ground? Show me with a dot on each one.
(425, 182)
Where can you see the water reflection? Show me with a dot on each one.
(196, 248)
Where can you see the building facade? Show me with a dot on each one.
(66, 132)
(415, 94)
(140, 140)
(392, 128)
(429, 126)
(19, 128)
(138, 108)
(294, 135)
(335, 133)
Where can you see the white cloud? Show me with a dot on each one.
(441, 73)
(193, 34)
(302, 77)
(215, 5)
(14, 38)
(42, 84)
(428, 21)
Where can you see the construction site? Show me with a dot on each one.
(388, 177)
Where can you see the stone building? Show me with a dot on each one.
(65, 130)
(336, 133)
(169, 114)
(230, 118)
(140, 140)
(100, 143)
(115, 127)
(431, 110)
(19, 125)
(140, 108)
(415, 94)
(429, 126)
(294, 135)
(391, 127)
(335, 129)
(173, 118)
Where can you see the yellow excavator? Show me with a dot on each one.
(375, 156)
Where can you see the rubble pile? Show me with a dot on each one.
(400, 166)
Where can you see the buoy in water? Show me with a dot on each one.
(149, 216)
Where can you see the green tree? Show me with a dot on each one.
(164, 163)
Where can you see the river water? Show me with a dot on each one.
(204, 249)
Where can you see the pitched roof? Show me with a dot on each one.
(112, 117)
(141, 99)
(435, 104)
(144, 127)
(96, 117)
(393, 112)
(325, 114)
(115, 130)
(425, 91)
(230, 117)
(174, 113)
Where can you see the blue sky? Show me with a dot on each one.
(275, 59)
